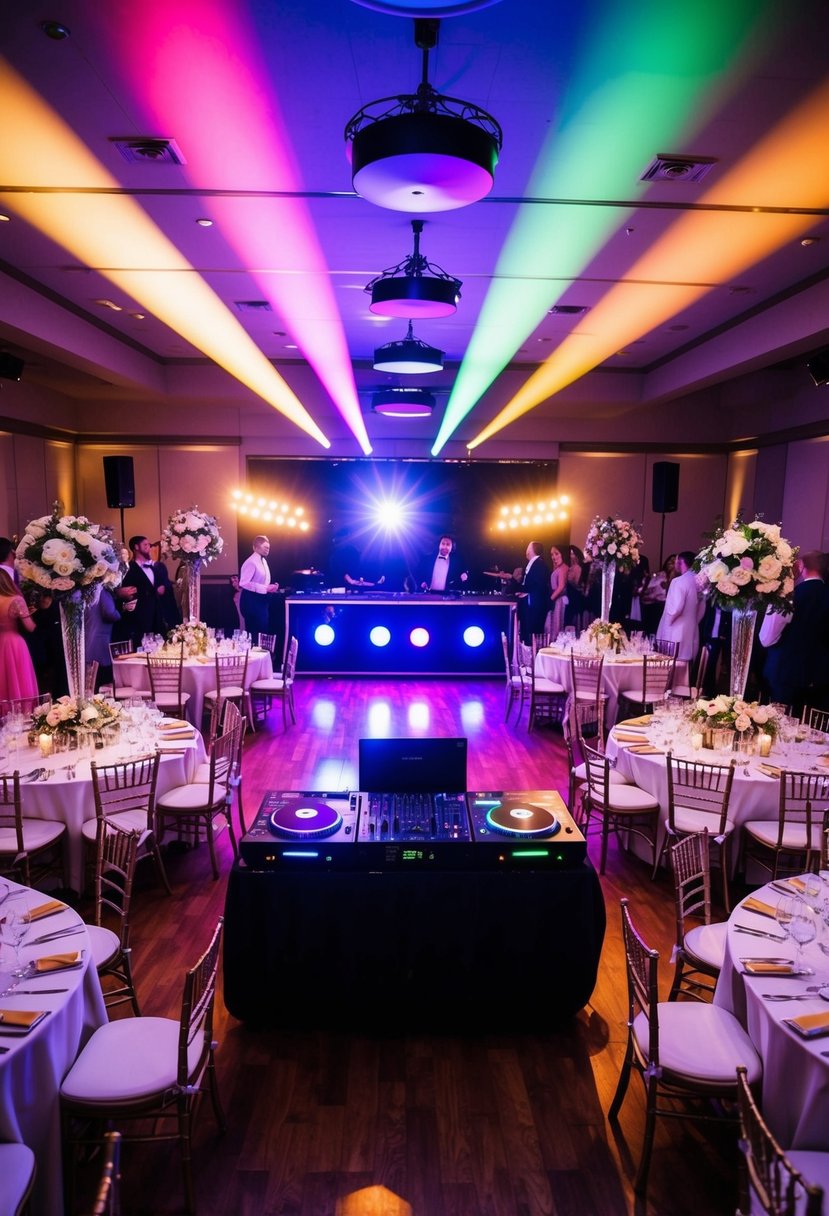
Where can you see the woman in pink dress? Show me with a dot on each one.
(17, 675)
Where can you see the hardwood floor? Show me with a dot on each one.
(457, 1124)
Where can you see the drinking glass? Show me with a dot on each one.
(813, 891)
(784, 912)
(802, 930)
(15, 925)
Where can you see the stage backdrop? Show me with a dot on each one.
(384, 517)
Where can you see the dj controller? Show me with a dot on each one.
(485, 830)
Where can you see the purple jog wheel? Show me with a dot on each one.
(305, 818)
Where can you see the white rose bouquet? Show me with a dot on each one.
(65, 553)
(613, 540)
(732, 713)
(747, 566)
(191, 535)
(194, 636)
(605, 636)
(70, 716)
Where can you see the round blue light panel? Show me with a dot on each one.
(380, 636)
(473, 636)
(323, 635)
(419, 637)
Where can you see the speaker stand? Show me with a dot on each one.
(662, 541)
(124, 533)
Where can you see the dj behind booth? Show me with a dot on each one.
(412, 901)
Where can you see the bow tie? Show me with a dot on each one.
(442, 557)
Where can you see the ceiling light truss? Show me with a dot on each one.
(408, 357)
(415, 287)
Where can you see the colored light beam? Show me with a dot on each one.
(197, 70)
(702, 248)
(114, 235)
(622, 104)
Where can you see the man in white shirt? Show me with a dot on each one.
(255, 584)
(684, 608)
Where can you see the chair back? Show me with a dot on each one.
(691, 865)
(12, 860)
(126, 786)
(166, 675)
(231, 671)
(642, 968)
(586, 676)
(289, 669)
(816, 719)
(267, 641)
(766, 1175)
(703, 660)
(116, 649)
(657, 677)
(804, 800)
(597, 766)
(108, 1199)
(224, 754)
(824, 843)
(705, 788)
(116, 854)
(665, 646)
(196, 1026)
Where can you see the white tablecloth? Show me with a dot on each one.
(795, 1074)
(72, 801)
(32, 1070)
(199, 677)
(619, 673)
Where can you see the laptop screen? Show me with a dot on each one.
(413, 766)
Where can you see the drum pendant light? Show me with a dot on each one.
(414, 288)
(409, 357)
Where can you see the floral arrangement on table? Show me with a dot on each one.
(732, 713)
(68, 715)
(62, 554)
(194, 636)
(614, 541)
(605, 635)
(748, 565)
(191, 535)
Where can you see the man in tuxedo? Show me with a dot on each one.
(684, 607)
(170, 613)
(534, 594)
(445, 574)
(141, 578)
(797, 658)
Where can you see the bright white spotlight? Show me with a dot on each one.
(324, 715)
(323, 635)
(418, 715)
(380, 636)
(419, 637)
(473, 635)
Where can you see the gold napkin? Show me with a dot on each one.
(770, 770)
(123, 658)
(47, 909)
(797, 884)
(644, 720)
(756, 968)
(645, 749)
(55, 962)
(622, 736)
(20, 1017)
(810, 1023)
(756, 905)
(177, 734)
(173, 724)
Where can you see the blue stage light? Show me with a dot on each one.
(473, 635)
(419, 637)
(380, 636)
(323, 635)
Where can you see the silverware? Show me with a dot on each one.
(786, 996)
(34, 991)
(775, 937)
(50, 937)
(765, 959)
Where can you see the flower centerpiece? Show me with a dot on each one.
(743, 568)
(605, 636)
(192, 537)
(732, 713)
(193, 634)
(70, 558)
(68, 715)
(615, 543)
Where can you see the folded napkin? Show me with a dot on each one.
(55, 962)
(645, 749)
(643, 720)
(21, 1017)
(47, 909)
(770, 770)
(797, 884)
(757, 968)
(810, 1025)
(124, 658)
(178, 734)
(172, 724)
(756, 905)
(622, 736)
(621, 658)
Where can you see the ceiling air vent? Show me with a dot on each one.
(667, 168)
(149, 149)
(567, 310)
(252, 305)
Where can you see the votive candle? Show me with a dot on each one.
(46, 743)
(696, 740)
(764, 744)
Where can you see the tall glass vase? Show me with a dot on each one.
(742, 638)
(194, 589)
(608, 579)
(72, 627)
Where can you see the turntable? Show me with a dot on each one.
(531, 829)
(301, 829)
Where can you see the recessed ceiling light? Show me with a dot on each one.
(109, 304)
(5, 219)
(291, 346)
(138, 316)
(806, 242)
(204, 222)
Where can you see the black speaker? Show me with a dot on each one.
(11, 368)
(120, 481)
(818, 368)
(665, 487)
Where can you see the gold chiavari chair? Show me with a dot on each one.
(699, 951)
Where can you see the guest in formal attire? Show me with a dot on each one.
(684, 607)
(17, 673)
(533, 594)
(641, 578)
(99, 618)
(7, 559)
(170, 612)
(558, 593)
(652, 595)
(138, 587)
(797, 660)
(445, 573)
(576, 598)
(255, 582)
(46, 643)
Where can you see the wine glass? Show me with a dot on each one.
(802, 930)
(15, 925)
(784, 912)
(813, 891)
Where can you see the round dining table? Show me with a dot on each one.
(34, 1062)
(620, 673)
(198, 676)
(795, 1069)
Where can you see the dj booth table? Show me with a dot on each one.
(449, 950)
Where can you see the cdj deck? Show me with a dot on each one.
(485, 830)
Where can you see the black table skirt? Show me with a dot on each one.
(450, 951)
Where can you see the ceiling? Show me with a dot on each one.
(685, 283)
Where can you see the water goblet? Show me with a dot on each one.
(813, 891)
(802, 930)
(15, 925)
(784, 912)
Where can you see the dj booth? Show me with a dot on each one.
(457, 910)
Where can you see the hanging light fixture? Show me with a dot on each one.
(423, 151)
(414, 287)
(409, 357)
(398, 402)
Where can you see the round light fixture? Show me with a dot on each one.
(425, 8)
(414, 288)
(396, 402)
(423, 151)
(408, 357)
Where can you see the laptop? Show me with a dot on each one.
(413, 766)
